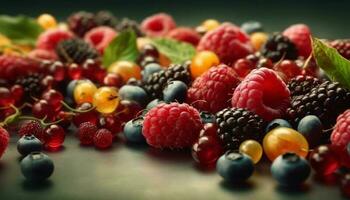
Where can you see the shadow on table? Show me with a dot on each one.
(36, 186)
(140, 147)
(237, 187)
(293, 190)
(168, 155)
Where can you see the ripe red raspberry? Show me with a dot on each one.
(49, 39)
(228, 42)
(158, 25)
(31, 127)
(172, 126)
(4, 140)
(340, 137)
(100, 37)
(185, 34)
(86, 133)
(213, 90)
(43, 54)
(103, 138)
(300, 34)
(264, 93)
(13, 67)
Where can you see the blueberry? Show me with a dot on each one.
(311, 127)
(207, 117)
(28, 144)
(175, 91)
(290, 170)
(277, 123)
(133, 93)
(150, 69)
(37, 166)
(70, 89)
(235, 167)
(153, 103)
(252, 27)
(133, 130)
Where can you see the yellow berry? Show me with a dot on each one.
(252, 149)
(142, 41)
(106, 99)
(126, 70)
(210, 24)
(282, 140)
(258, 39)
(4, 41)
(84, 92)
(203, 61)
(47, 21)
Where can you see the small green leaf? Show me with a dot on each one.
(123, 47)
(20, 29)
(177, 52)
(328, 59)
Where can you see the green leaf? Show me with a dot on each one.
(328, 59)
(177, 52)
(20, 29)
(123, 47)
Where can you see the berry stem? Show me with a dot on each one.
(76, 110)
(10, 119)
(41, 121)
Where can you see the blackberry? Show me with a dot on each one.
(278, 46)
(156, 82)
(301, 85)
(237, 125)
(75, 51)
(343, 47)
(81, 22)
(105, 18)
(326, 101)
(31, 84)
(126, 24)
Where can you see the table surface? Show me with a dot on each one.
(140, 172)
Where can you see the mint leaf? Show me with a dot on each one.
(328, 59)
(177, 52)
(20, 29)
(123, 47)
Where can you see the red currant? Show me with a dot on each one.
(43, 109)
(128, 110)
(66, 118)
(54, 136)
(6, 99)
(90, 116)
(323, 160)
(74, 71)
(54, 98)
(58, 71)
(48, 82)
(113, 80)
(112, 123)
(288, 69)
(243, 67)
(17, 93)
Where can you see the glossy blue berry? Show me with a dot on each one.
(133, 130)
(277, 123)
(235, 167)
(70, 89)
(37, 166)
(311, 127)
(175, 91)
(290, 169)
(133, 93)
(252, 27)
(207, 117)
(153, 103)
(150, 69)
(28, 144)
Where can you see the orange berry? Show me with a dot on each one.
(258, 39)
(202, 62)
(210, 24)
(47, 21)
(126, 70)
(163, 60)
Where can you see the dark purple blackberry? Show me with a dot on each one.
(342, 46)
(31, 84)
(237, 125)
(126, 24)
(81, 22)
(278, 46)
(301, 85)
(326, 101)
(75, 51)
(105, 18)
(156, 82)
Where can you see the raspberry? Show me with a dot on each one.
(42, 54)
(172, 126)
(100, 37)
(228, 42)
(158, 25)
(86, 132)
(185, 34)
(213, 90)
(81, 22)
(264, 93)
(4, 140)
(31, 127)
(13, 67)
(300, 34)
(340, 137)
(342, 46)
(103, 138)
(49, 39)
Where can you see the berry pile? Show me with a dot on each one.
(234, 95)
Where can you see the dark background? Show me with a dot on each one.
(328, 19)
